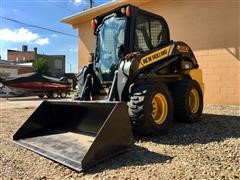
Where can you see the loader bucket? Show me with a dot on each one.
(77, 134)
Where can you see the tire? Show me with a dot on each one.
(49, 95)
(151, 109)
(188, 101)
(63, 94)
(54, 95)
(41, 96)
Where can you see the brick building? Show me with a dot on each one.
(56, 63)
(22, 56)
(211, 28)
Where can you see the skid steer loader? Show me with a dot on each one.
(138, 81)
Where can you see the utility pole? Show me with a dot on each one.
(91, 3)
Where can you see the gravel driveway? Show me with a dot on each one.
(204, 150)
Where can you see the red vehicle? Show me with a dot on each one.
(38, 84)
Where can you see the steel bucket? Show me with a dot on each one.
(77, 134)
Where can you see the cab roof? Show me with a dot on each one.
(89, 14)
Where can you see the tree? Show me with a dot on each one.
(40, 64)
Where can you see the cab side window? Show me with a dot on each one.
(150, 33)
(142, 34)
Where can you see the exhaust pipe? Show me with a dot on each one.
(77, 134)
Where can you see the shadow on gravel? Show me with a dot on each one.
(136, 156)
(213, 128)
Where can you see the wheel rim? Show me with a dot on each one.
(159, 108)
(63, 94)
(193, 101)
(55, 95)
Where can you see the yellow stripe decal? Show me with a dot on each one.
(154, 57)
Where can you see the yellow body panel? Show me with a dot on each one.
(196, 74)
(154, 57)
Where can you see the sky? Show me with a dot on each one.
(47, 14)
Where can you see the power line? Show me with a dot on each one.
(63, 8)
(56, 5)
(39, 27)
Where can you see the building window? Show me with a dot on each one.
(57, 64)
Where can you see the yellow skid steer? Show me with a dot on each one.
(139, 81)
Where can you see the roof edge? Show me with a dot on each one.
(88, 14)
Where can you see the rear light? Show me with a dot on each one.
(93, 25)
(128, 11)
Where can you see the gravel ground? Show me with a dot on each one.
(209, 149)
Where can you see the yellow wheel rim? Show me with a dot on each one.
(193, 101)
(159, 108)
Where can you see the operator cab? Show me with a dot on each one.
(124, 30)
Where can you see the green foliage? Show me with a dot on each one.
(40, 65)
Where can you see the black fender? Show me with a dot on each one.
(184, 52)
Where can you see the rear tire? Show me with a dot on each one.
(151, 109)
(188, 101)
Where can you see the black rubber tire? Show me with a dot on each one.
(140, 109)
(180, 92)
(41, 96)
(49, 95)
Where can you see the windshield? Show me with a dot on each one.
(110, 40)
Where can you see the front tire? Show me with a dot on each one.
(151, 109)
